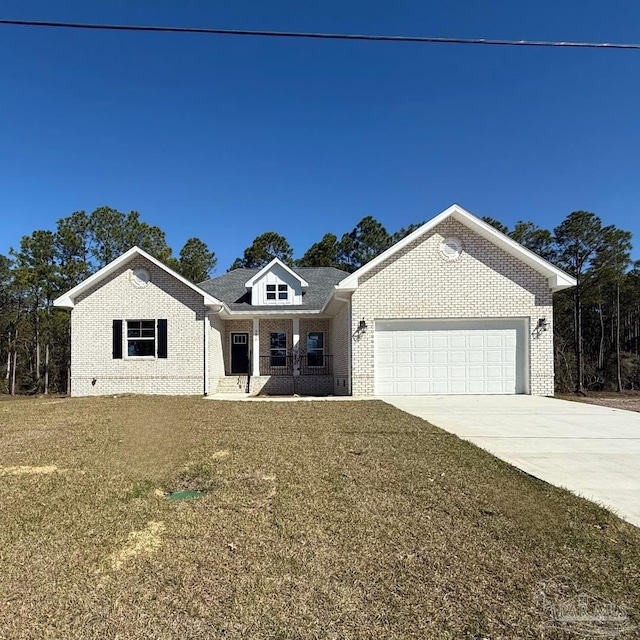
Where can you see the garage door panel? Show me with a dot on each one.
(483, 357)
(439, 341)
(439, 373)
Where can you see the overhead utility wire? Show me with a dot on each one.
(321, 36)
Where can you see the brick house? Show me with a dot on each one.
(454, 307)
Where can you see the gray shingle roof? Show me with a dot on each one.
(230, 289)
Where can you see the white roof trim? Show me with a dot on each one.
(67, 300)
(557, 278)
(276, 261)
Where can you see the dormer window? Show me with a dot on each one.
(276, 284)
(282, 291)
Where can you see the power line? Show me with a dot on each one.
(321, 36)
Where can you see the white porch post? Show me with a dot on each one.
(295, 347)
(256, 347)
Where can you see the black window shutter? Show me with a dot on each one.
(162, 338)
(117, 339)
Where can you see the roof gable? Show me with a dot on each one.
(556, 278)
(276, 262)
(67, 300)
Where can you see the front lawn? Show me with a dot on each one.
(320, 520)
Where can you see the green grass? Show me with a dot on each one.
(320, 520)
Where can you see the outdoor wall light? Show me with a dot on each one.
(543, 325)
(362, 327)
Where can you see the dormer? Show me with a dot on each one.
(276, 284)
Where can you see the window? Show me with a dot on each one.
(240, 338)
(278, 349)
(315, 349)
(282, 291)
(141, 338)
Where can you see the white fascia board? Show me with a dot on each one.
(280, 312)
(67, 300)
(276, 261)
(557, 278)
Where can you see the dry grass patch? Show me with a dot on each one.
(328, 520)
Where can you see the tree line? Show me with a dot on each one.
(596, 323)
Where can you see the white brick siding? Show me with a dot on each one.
(116, 297)
(340, 339)
(486, 282)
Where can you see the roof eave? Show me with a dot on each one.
(558, 279)
(67, 300)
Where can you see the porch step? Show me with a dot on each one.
(232, 384)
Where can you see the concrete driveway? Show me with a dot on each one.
(591, 450)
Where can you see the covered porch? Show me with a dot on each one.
(288, 355)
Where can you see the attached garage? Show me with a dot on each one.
(479, 356)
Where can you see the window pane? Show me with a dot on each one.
(278, 340)
(315, 359)
(141, 348)
(315, 340)
(282, 295)
(133, 329)
(282, 287)
(278, 358)
(271, 287)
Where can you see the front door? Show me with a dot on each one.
(240, 353)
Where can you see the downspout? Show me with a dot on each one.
(349, 347)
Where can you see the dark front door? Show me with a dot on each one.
(239, 353)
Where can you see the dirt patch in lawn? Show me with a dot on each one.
(145, 541)
(328, 520)
(32, 471)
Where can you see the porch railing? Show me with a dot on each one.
(307, 365)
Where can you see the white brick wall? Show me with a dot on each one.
(340, 338)
(182, 372)
(216, 351)
(486, 282)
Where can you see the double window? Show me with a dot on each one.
(278, 349)
(279, 290)
(141, 339)
(315, 349)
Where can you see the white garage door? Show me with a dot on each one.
(449, 357)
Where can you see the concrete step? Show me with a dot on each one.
(232, 384)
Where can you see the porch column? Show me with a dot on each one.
(295, 347)
(256, 347)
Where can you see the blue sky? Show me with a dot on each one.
(227, 137)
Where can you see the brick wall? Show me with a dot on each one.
(340, 341)
(486, 282)
(116, 297)
(216, 351)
